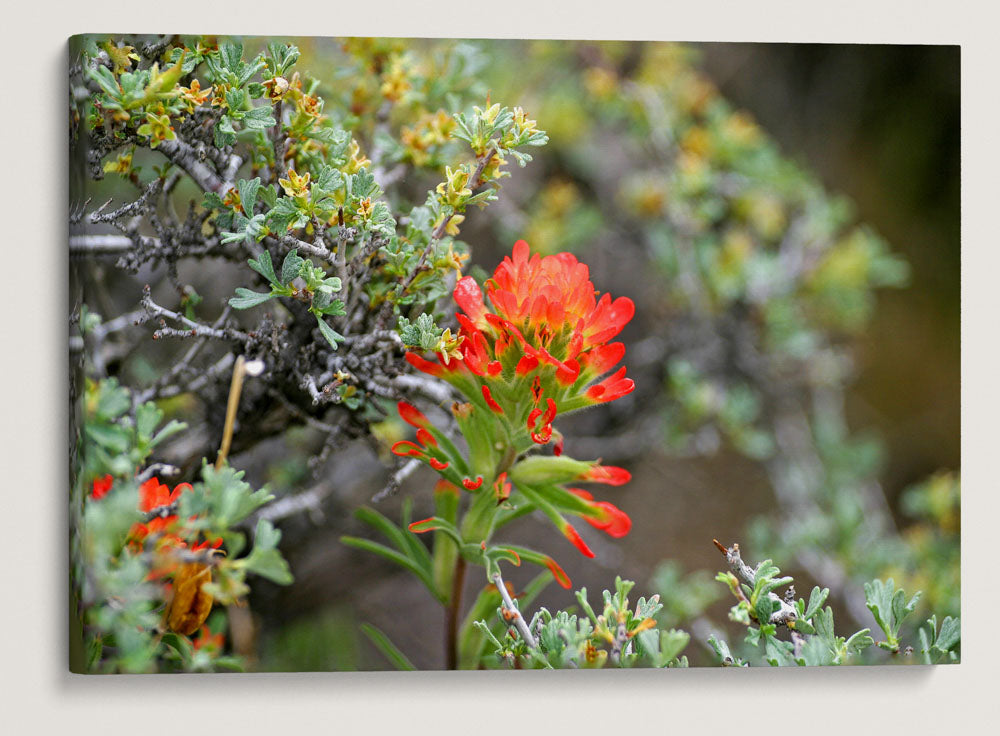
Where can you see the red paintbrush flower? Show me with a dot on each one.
(101, 487)
(534, 346)
(157, 500)
(541, 324)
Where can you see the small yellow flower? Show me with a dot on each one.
(122, 165)
(365, 208)
(522, 123)
(276, 88)
(449, 346)
(696, 141)
(452, 229)
(451, 259)
(121, 57)
(203, 47)
(490, 114)
(295, 185)
(356, 160)
(157, 128)
(194, 96)
(395, 82)
(232, 199)
(430, 131)
(453, 189)
(219, 100)
(492, 169)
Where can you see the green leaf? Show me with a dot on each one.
(334, 309)
(672, 643)
(271, 565)
(236, 99)
(823, 621)
(264, 267)
(816, 600)
(265, 559)
(388, 649)
(778, 653)
(112, 437)
(394, 556)
(436, 523)
(380, 522)
(147, 416)
(268, 195)
(878, 599)
(721, 649)
(362, 184)
(112, 400)
(245, 299)
(172, 427)
(422, 333)
(859, 641)
(224, 133)
(231, 56)
(332, 336)
(106, 80)
(285, 214)
(950, 635)
(259, 118)
(889, 607)
(248, 194)
(327, 179)
(291, 266)
(764, 608)
(283, 57)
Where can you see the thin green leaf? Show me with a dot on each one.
(388, 649)
(393, 556)
(245, 299)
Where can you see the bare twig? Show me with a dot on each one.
(318, 251)
(510, 605)
(99, 245)
(310, 500)
(185, 156)
(395, 479)
(127, 210)
(438, 391)
(184, 364)
(164, 469)
(195, 329)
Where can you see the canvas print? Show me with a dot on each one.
(511, 354)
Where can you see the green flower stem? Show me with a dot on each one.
(478, 522)
(452, 614)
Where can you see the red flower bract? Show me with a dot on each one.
(156, 498)
(574, 536)
(412, 415)
(610, 474)
(153, 494)
(101, 487)
(558, 573)
(554, 293)
(550, 306)
(540, 320)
